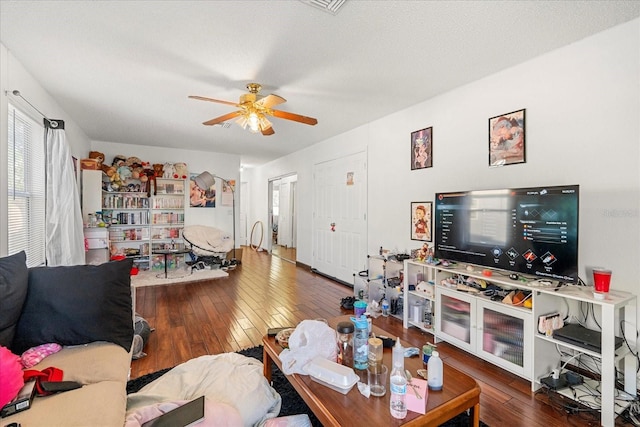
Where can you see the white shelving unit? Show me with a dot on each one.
(167, 221)
(127, 216)
(616, 309)
(507, 336)
(384, 279)
(419, 295)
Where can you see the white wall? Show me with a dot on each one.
(224, 165)
(582, 127)
(13, 76)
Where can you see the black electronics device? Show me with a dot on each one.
(59, 386)
(22, 401)
(186, 415)
(564, 380)
(555, 383)
(520, 230)
(580, 336)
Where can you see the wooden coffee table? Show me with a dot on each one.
(460, 392)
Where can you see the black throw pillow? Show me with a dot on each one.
(72, 305)
(13, 291)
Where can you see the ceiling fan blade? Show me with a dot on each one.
(202, 98)
(295, 117)
(268, 131)
(222, 118)
(270, 101)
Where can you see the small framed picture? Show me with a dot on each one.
(506, 139)
(422, 149)
(421, 213)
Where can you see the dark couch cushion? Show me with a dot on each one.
(13, 291)
(78, 304)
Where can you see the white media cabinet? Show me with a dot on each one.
(507, 335)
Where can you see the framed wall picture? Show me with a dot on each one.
(421, 213)
(199, 198)
(422, 148)
(506, 139)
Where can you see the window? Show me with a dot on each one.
(26, 189)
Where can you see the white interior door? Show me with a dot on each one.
(284, 226)
(293, 215)
(340, 216)
(244, 206)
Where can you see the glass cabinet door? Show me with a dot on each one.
(505, 337)
(455, 318)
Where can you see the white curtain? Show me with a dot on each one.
(65, 240)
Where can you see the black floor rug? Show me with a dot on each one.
(292, 403)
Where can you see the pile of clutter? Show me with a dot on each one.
(130, 174)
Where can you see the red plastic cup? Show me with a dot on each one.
(601, 281)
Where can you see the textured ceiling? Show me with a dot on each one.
(122, 70)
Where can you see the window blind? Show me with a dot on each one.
(26, 189)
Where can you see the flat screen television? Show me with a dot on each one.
(525, 230)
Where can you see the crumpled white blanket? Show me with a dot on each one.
(216, 414)
(228, 378)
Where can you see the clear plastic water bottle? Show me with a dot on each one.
(434, 371)
(397, 355)
(361, 343)
(385, 307)
(398, 388)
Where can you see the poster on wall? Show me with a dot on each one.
(228, 187)
(506, 139)
(421, 221)
(349, 178)
(421, 149)
(199, 198)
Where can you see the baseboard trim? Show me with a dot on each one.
(335, 279)
(303, 265)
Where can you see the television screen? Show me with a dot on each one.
(526, 230)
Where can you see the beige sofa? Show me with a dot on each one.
(86, 309)
(103, 369)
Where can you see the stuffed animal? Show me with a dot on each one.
(167, 170)
(180, 171)
(158, 168)
(116, 182)
(149, 175)
(108, 170)
(98, 156)
(133, 162)
(118, 161)
(125, 172)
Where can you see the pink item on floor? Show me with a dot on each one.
(34, 355)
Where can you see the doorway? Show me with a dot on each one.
(283, 217)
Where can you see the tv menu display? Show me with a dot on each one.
(525, 230)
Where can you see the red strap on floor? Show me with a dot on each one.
(47, 374)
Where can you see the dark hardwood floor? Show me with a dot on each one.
(233, 313)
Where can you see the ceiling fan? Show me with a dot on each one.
(254, 109)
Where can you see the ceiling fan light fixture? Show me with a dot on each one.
(253, 110)
(264, 122)
(254, 122)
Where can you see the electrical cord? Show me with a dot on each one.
(624, 337)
